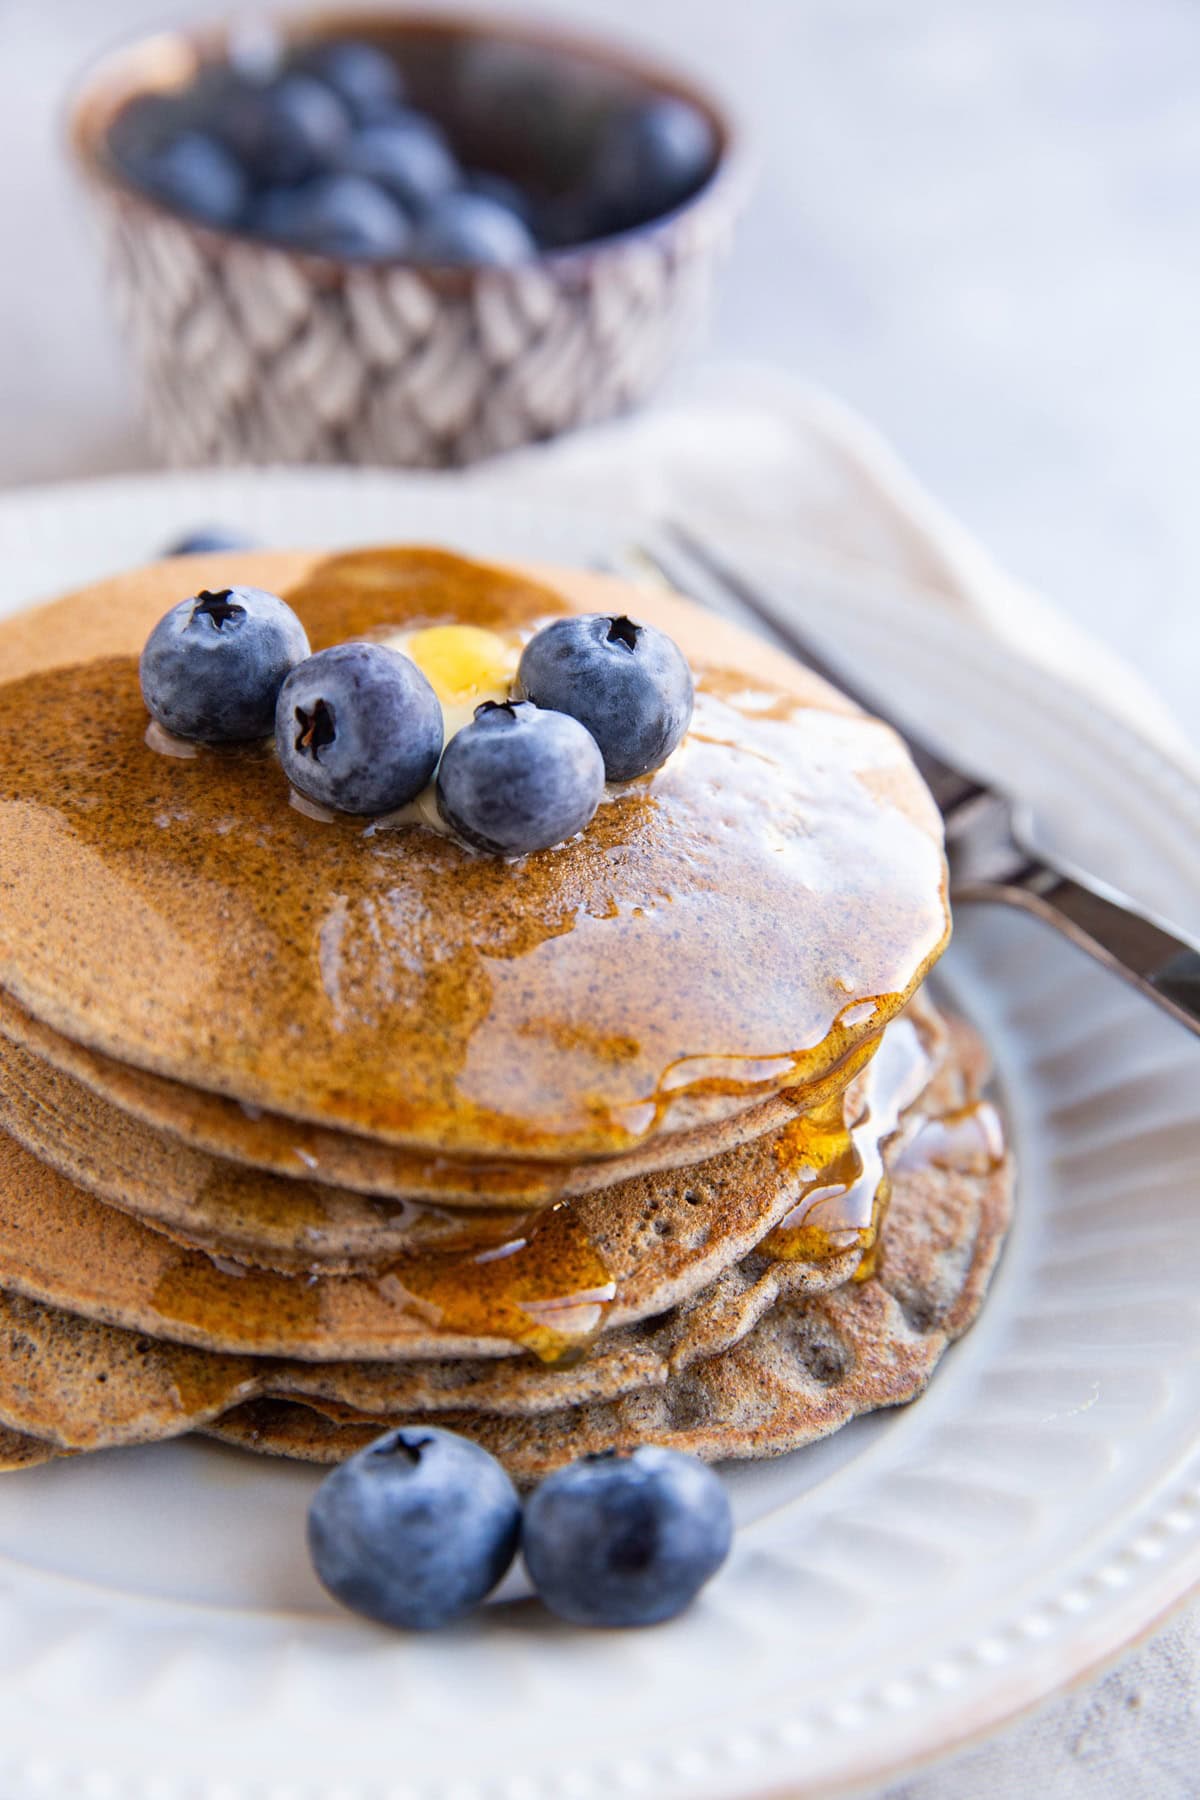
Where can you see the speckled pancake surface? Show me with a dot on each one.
(733, 925)
(247, 1215)
(808, 1367)
(572, 1270)
(295, 1148)
(17, 1451)
(755, 1365)
(234, 1211)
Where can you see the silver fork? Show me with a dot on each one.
(987, 843)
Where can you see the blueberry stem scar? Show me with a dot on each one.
(401, 1447)
(623, 631)
(317, 728)
(218, 607)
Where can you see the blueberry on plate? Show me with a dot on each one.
(626, 1539)
(628, 683)
(407, 155)
(281, 131)
(213, 665)
(471, 228)
(358, 728)
(364, 78)
(649, 159)
(195, 174)
(518, 779)
(334, 215)
(415, 1530)
(207, 538)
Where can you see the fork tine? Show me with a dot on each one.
(728, 592)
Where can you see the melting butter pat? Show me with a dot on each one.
(462, 661)
(465, 665)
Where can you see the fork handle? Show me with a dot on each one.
(1100, 921)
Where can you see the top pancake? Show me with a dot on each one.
(735, 924)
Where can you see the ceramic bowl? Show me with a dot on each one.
(252, 352)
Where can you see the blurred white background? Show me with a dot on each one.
(976, 221)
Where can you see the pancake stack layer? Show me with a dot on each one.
(310, 1125)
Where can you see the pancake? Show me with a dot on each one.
(20, 1452)
(88, 1386)
(577, 1268)
(240, 1213)
(309, 1125)
(808, 1367)
(250, 1216)
(293, 1148)
(811, 1359)
(738, 924)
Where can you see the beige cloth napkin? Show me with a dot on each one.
(769, 465)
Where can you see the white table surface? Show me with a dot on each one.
(979, 223)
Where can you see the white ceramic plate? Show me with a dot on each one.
(913, 1581)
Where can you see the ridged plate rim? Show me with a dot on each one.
(57, 1634)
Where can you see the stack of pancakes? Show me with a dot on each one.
(310, 1125)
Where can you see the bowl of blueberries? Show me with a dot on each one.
(399, 239)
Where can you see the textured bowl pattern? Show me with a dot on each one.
(253, 354)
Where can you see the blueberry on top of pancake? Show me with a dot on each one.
(738, 922)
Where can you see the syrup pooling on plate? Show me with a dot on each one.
(740, 921)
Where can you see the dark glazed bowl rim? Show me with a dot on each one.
(157, 60)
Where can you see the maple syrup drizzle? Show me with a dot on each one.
(545, 1289)
(740, 921)
(538, 1282)
(844, 1187)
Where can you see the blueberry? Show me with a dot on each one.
(471, 228)
(334, 215)
(364, 78)
(406, 155)
(196, 175)
(415, 1530)
(208, 538)
(626, 1540)
(504, 192)
(650, 159)
(281, 131)
(628, 683)
(254, 51)
(358, 728)
(213, 665)
(518, 779)
(144, 126)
